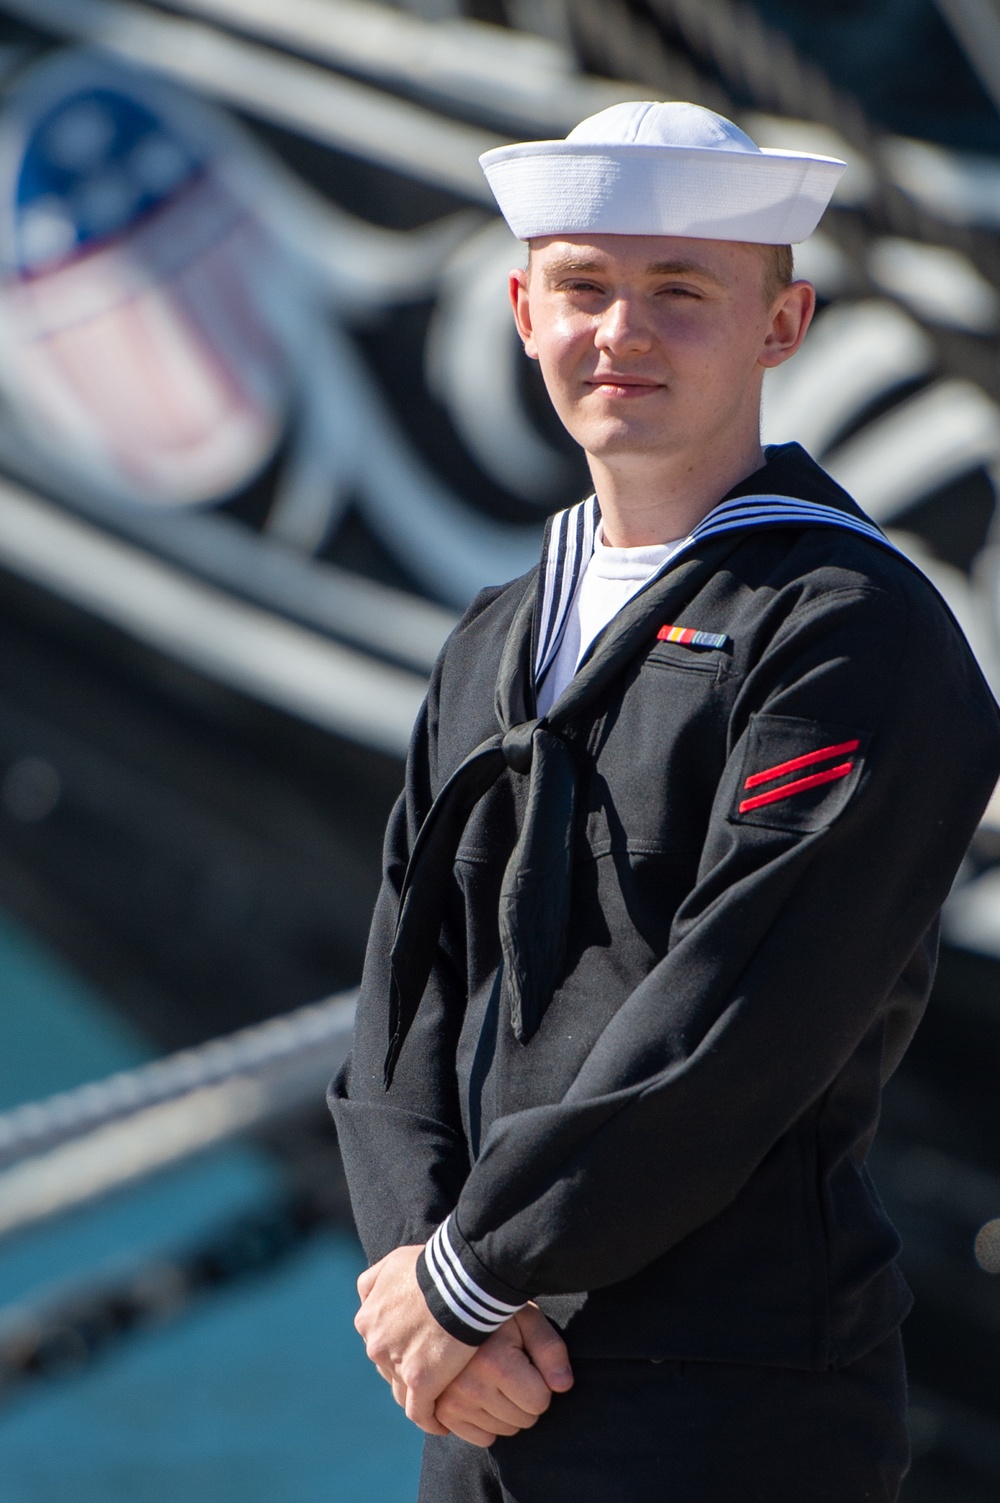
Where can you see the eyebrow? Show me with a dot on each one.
(569, 266)
(683, 268)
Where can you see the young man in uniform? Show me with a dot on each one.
(661, 895)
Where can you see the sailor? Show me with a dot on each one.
(661, 894)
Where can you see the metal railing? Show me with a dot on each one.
(60, 1153)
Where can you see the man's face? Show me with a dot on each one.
(652, 345)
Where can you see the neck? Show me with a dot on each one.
(642, 505)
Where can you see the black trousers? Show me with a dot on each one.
(695, 1432)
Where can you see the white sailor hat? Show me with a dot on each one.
(649, 168)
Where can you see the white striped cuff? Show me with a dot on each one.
(471, 1306)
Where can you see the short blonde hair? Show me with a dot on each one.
(779, 270)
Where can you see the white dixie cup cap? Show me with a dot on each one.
(652, 168)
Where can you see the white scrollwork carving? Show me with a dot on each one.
(472, 357)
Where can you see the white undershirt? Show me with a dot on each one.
(609, 581)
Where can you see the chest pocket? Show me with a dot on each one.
(657, 752)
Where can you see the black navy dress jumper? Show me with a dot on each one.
(637, 975)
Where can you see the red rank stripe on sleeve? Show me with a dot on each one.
(798, 785)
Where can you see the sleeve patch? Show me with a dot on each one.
(797, 774)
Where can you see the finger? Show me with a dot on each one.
(420, 1409)
(524, 1385)
(505, 1372)
(498, 1407)
(475, 1393)
(496, 1413)
(545, 1347)
(366, 1281)
(429, 1424)
(423, 1418)
(474, 1435)
(506, 1412)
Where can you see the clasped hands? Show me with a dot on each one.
(445, 1386)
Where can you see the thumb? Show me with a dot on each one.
(545, 1347)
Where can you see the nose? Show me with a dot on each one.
(623, 327)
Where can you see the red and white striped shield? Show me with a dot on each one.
(139, 343)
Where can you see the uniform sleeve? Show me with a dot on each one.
(863, 747)
(404, 1151)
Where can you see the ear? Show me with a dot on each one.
(517, 287)
(791, 315)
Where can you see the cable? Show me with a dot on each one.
(251, 1052)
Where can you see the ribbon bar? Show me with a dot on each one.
(687, 636)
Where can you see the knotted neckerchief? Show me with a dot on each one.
(534, 896)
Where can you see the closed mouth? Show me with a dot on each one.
(634, 385)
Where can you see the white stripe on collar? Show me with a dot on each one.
(571, 543)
